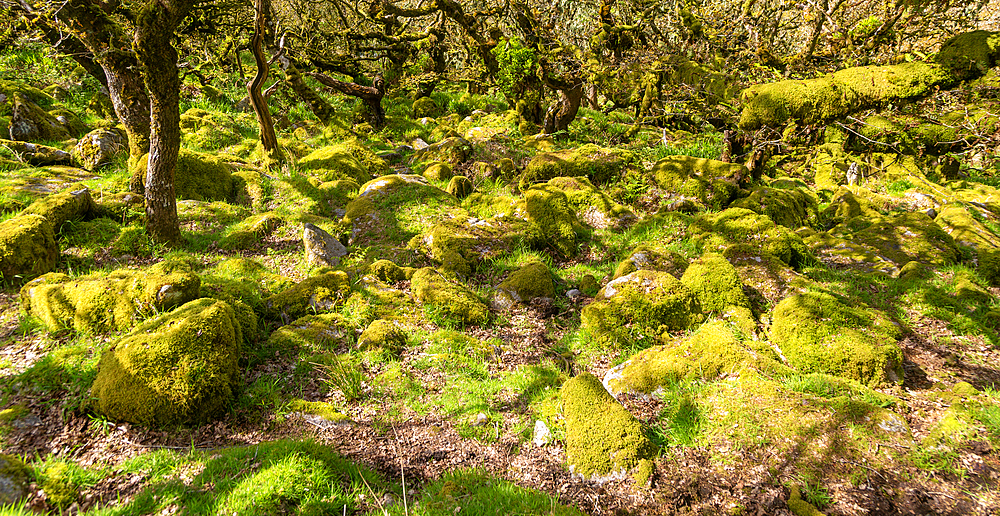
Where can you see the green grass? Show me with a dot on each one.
(477, 492)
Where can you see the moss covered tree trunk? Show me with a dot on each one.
(370, 95)
(154, 30)
(267, 137)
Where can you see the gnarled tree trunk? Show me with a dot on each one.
(370, 95)
(267, 137)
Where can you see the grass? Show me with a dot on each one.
(477, 492)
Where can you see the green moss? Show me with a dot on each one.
(314, 333)
(968, 290)
(653, 257)
(105, 302)
(718, 231)
(387, 271)
(531, 281)
(252, 189)
(425, 107)
(180, 367)
(819, 333)
(459, 243)
(72, 123)
(318, 408)
(317, 293)
(589, 285)
(713, 351)
(598, 164)
(813, 101)
(591, 204)
(335, 162)
(13, 480)
(711, 182)
(461, 187)
(205, 130)
(767, 278)
(199, 177)
(910, 237)
(250, 231)
(989, 266)
(965, 228)
(601, 436)
(716, 284)
(640, 309)
(49, 129)
(791, 208)
(970, 54)
(28, 248)
(553, 221)
(800, 507)
(57, 482)
(383, 334)
(430, 287)
(13, 413)
(845, 205)
(438, 171)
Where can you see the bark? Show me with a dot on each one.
(155, 27)
(370, 95)
(321, 108)
(65, 44)
(267, 137)
(564, 111)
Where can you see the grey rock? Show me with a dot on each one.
(321, 247)
(100, 147)
(541, 435)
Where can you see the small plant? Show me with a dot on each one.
(345, 374)
(898, 187)
(815, 493)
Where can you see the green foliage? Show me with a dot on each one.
(516, 62)
(477, 492)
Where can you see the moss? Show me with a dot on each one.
(28, 248)
(819, 333)
(814, 101)
(105, 302)
(43, 125)
(718, 231)
(461, 187)
(452, 149)
(591, 204)
(800, 507)
(791, 208)
(553, 221)
(438, 171)
(910, 237)
(601, 436)
(914, 271)
(970, 54)
(430, 287)
(199, 177)
(318, 408)
(713, 351)
(13, 480)
(425, 107)
(317, 293)
(989, 266)
(57, 482)
(251, 231)
(588, 285)
(383, 334)
(207, 130)
(968, 290)
(640, 308)
(845, 205)
(965, 228)
(711, 182)
(178, 368)
(459, 243)
(387, 271)
(314, 333)
(715, 283)
(64, 207)
(72, 123)
(335, 162)
(252, 189)
(531, 281)
(600, 165)
(652, 257)
(12, 413)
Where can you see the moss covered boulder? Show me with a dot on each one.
(383, 334)
(848, 203)
(314, 333)
(335, 162)
(967, 228)
(592, 205)
(14, 480)
(29, 122)
(767, 279)
(28, 248)
(713, 351)
(789, 207)
(178, 368)
(461, 187)
(553, 221)
(208, 130)
(453, 150)
(599, 165)
(718, 231)
(457, 301)
(198, 176)
(818, 333)
(61, 208)
(602, 437)
(715, 283)
(459, 243)
(319, 293)
(101, 147)
(712, 182)
(640, 308)
(653, 257)
(910, 237)
(530, 282)
(105, 302)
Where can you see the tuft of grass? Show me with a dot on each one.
(476, 492)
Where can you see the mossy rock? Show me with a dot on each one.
(319, 293)
(387, 271)
(716, 284)
(10, 88)
(456, 300)
(250, 231)
(104, 302)
(61, 208)
(383, 334)
(553, 221)
(713, 351)
(968, 290)
(101, 147)
(837, 248)
(718, 231)
(28, 248)
(30, 123)
(335, 162)
(768, 279)
(600, 165)
(461, 187)
(791, 208)
(315, 333)
(652, 257)
(208, 130)
(602, 437)
(531, 281)
(198, 176)
(845, 205)
(819, 333)
(425, 107)
(640, 308)
(910, 237)
(970, 54)
(458, 244)
(592, 205)
(178, 368)
(966, 228)
(438, 171)
(253, 189)
(14, 480)
(712, 182)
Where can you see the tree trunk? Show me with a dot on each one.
(370, 95)
(154, 30)
(321, 108)
(562, 113)
(267, 137)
